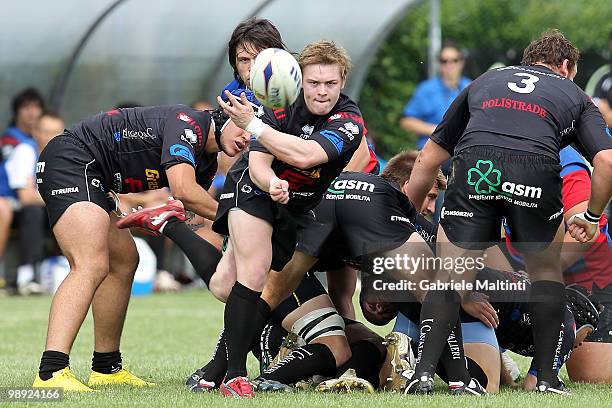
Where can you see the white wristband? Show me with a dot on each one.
(256, 127)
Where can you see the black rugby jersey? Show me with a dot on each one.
(133, 147)
(526, 108)
(339, 134)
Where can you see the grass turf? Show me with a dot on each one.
(167, 337)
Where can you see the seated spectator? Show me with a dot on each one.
(17, 169)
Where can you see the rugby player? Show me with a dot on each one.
(120, 151)
(267, 193)
(505, 131)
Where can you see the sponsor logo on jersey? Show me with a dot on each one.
(306, 131)
(40, 167)
(184, 117)
(568, 130)
(134, 134)
(350, 130)
(198, 129)
(225, 196)
(189, 137)
(246, 189)
(400, 218)
(334, 139)
(556, 215)
(183, 151)
(455, 213)
(346, 115)
(152, 176)
(507, 103)
(339, 186)
(67, 190)
(487, 180)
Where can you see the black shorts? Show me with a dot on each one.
(310, 287)
(487, 184)
(603, 331)
(66, 174)
(240, 192)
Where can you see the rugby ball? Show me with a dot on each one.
(276, 78)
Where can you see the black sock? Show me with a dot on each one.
(546, 309)
(106, 363)
(439, 315)
(366, 360)
(51, 362)
(453, 357)
(216, 368)
(301, 363)
(270, 343)
(240, 316)
(203, 256)
(261, 318)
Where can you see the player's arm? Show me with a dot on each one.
(438, 149)
(425, 171)
(360, 158)
(183, 185)
(596, 145)
(260, 171)
(304, 154)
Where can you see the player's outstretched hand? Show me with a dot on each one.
(279, 190)
(581, 229)
(478, 306)
(239, 110)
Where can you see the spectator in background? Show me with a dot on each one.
(433, 96)
(31, 221)
(27, 107)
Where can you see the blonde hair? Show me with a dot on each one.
(325, 52)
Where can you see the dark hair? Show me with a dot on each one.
(551, 48)
(258, 31)
(26, 96)
(448, 43)
(127, 104)
(399, 168)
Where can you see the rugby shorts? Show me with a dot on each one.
(66, 174)
(240, 192)
(487, 184)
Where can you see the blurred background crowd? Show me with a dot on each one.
(63, 61)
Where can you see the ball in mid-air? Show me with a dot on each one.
(276, 78)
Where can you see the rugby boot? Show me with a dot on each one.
(63, 378)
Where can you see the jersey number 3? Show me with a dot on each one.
(528, 83)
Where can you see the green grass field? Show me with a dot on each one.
(167, 336)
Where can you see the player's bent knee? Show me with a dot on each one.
(325, 326)
(220, 288)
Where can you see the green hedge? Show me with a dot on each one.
(489, 31)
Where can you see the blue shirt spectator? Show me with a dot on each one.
(432, 97)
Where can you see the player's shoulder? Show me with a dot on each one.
(345, 108)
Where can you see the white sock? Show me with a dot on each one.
(25, 274)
